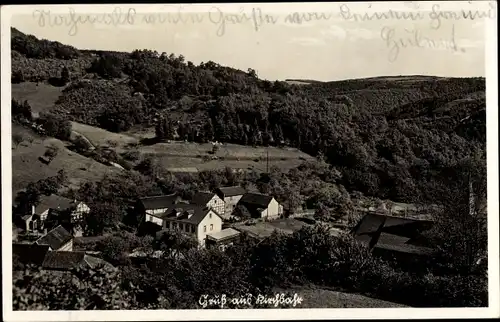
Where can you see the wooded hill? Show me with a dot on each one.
(390, 137)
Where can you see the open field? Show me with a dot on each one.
(177, 156)
(26, 166)
(98, 136)
(41, 98)
(323, 298)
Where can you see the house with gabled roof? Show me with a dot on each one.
(66, 260)
(58, 239)
(59, 204)
(153, 208)
(195, 220)
(391, 236)
(210, 200)
(261, 205)
(231, 197)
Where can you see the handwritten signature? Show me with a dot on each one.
(435, 15)
(115, 18)
(415, 38)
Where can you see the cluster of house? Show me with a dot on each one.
(51, 211)
(51, 222)
(203, 216)
(54, 251)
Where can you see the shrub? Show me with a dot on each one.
(55, 126)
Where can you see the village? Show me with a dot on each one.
(47, 236)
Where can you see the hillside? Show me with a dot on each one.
(27, 167)
(390, 137)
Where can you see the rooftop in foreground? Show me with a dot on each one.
(224, 234)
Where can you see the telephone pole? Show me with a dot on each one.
(267, 160)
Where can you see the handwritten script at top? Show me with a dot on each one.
(255, 16)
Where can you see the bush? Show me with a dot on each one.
(55, 126)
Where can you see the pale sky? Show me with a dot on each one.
(322, 49)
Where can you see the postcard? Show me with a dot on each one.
(250, 161)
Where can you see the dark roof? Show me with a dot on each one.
(386, 238)
(230, 191)
(157, 202)
(242, 210)
(64, 260)
(255, 200)
(30, 253)
(198, 213)
(55, 238)
(406, 227)
(201, 197)
(389, 233)
(53, 202)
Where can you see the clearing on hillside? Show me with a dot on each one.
(41, 97)
(27, 167)
(177, 156)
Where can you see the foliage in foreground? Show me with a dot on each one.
(309, 256)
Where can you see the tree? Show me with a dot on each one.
(65, 76)
(51, 152)
(322, 213)
(17, 138)
(102, 215)
(83, 289)
(55, 126)
(21, 112)
(460, 230)
(107, 66)
(175, 242)
(151, 167)
(252, 73)
(17, 77)
(164, 129)
(242, 213)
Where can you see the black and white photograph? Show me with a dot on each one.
(250, 161)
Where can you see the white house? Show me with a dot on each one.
(195, 220)
(60, 204)
(210, 200)
(155, 207)
(261, 206)
(231, 196)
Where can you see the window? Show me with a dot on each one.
(211, 227)
(210, 216)
(193, 230)
(174, 225)
(181, 226)
(187, 228)
(204, 229)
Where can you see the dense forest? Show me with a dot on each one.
(389, 137)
